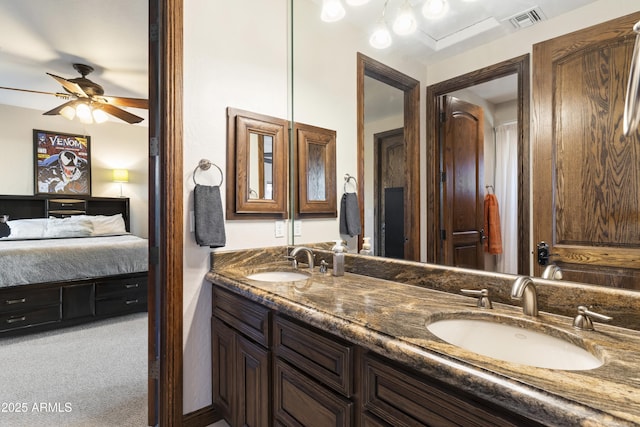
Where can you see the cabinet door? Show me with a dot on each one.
(253, 384)
(300, 401)
(223, 368)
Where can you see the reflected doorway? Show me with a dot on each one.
(388, 189)
(518, 67)
(407, 95)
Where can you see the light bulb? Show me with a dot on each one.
(435, 8)
(84, 113)
(68, 112)
(332, 11)
(99, 116)
(381, 38)
(357, 2)
(405, 22)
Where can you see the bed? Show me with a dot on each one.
(65, 261)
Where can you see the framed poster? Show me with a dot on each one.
(62, 163)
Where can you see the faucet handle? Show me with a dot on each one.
(482, 295)
(583, 319)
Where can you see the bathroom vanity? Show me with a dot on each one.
(319, 350)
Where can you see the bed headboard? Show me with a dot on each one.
(23, 207)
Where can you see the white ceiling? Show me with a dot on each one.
(38, 36)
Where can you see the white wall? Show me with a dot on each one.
(113, 146)
(235, 55)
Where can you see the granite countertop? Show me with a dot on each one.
(390, 318)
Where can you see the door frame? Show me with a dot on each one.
(519, 66)
(378, 195)
(165, 210)
(411, 87)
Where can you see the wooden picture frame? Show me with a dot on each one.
(316, 172)
(62, 163)
(257, 165)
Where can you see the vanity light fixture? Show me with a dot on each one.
(332, 10)
(435, 8)
(405, 22)
(380, 38)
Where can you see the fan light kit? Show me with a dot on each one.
(404, 24)
(87, 101)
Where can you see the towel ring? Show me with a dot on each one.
(348, 178)
(205, 164)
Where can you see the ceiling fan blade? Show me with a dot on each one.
(59, 108)
(126, 102)
(121, 114)
(57, 94)
(72, 87)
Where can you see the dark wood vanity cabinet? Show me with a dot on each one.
(241, 360)
(269, 369)
(313, 377)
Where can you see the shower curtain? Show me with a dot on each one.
(506, 189)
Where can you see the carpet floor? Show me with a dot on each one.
(93, 375)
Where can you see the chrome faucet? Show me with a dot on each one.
(309, 253)
(524, 290)
(552, 272)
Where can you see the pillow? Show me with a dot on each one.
(33, 228)
(106, 224)
(68, 227)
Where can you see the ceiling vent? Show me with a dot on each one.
(527, 18)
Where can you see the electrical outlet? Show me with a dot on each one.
(297, 228)
(192, 222)
(279, 229)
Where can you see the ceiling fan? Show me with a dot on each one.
(87, 99)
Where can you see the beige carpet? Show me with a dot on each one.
(87, 376)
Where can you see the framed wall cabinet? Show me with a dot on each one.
(316, 171)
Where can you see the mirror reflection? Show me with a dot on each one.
(260, 173)
(316, 190)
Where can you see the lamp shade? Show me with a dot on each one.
(120, 175)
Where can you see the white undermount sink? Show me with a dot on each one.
(278, 276)
(514, 344)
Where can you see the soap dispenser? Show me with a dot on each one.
(366, 246)
(338, 258)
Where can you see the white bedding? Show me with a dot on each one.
(48, 260)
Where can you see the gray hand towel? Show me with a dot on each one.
(350, 215)
(209, 218)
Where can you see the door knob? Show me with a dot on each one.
(543, 253)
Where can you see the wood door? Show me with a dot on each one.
(390, 173)
(586, 184)
(462, 151)
(253, 384)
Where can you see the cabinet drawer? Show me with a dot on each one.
(27, 298)
(327, 359)
(405, 398)
(300, 401)
(245, 316)
(23, 319)
(66, 207)
(129, 303)
(121, 287)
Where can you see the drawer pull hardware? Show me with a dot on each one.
(129, 286)
(133, 301)
(17, 319)
(16, 301)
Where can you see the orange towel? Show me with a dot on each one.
(493, 242)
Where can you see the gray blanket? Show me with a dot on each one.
(38, 261)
